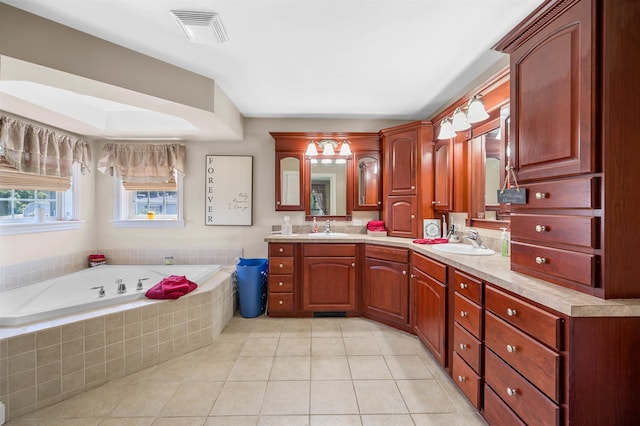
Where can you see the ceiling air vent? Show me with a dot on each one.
(201, 26)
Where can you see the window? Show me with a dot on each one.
(134, 201)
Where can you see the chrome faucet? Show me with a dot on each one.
(327, 227)
(475, 239)
(101, 291)
(139, 285)
(122, 287)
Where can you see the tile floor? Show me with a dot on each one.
(268, 371)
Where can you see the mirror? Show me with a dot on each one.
(368, 178)
(289, 181)
(328, 194)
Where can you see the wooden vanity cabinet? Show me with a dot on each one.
(428, 281)
(574, 138)
(408, 158)
(385, 289)
(281, 280)
(329, 278)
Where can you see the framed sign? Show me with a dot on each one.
(228, 190)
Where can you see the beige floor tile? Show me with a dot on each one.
(324, 346)
(180, 421)
(266, 329)
(294, 346)
(333, 397)
(283, 421)
(285, 398)
(336, 420)
(390, 344)
(330, 368)
(407, 367)
(252, 368)
(82, 421)
(213, 369)
(297, 327)
(379, 397)
(232, 421)
(361, 346)
(388, 420)
(368, 367)
(448, 419)
(144, 399)
(226, 347)
(260, 346)
(291, 368)
(326, 327)
(355, 327)
(425, 396)
(459, 400)
(98, 402)
(192, 399)
(239, 398)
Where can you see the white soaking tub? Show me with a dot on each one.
(77, 291)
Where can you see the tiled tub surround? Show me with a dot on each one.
(21, 274)
(43, 363)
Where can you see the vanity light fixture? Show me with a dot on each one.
(345, 149)
(312, 151)
(446, 130)
(460, 122)
(328, 147)
(475, 110)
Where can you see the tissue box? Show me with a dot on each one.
(377, 233)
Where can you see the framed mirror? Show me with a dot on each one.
(368, 182)
(289, 181)
(328, 188)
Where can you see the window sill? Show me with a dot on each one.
(33, 228)
(145, 223)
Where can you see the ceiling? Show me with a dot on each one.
(375, 59)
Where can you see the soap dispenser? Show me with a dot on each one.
(504, 243)
(286, 227)
(315, 225)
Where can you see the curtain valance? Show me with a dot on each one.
(142, 162)
(40, 151)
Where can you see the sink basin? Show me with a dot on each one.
(327, 235)
(465, 249)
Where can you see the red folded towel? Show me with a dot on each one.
(172, 287)
(431, 241)
(375, 225)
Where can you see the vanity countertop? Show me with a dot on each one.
(496, 270)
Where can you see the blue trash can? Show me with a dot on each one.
(252, 286)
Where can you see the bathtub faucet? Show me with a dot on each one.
(101, 293)
(139, 285)
(122, 287)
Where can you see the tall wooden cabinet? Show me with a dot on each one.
(574, 127)
(407, 194)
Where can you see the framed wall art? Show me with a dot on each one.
(228, 190)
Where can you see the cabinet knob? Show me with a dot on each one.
(353, 264)
(540, 195)
(404, 272)
(281, 265)
(280, 283)
(433, 203)
(413, 187)
(512, 312)
(379, 202)
(413, 216)
(281, 249)
(462, 379)
(512, 392)
(278, 202)
(511, 349)
(464, 314)
(464, 285)
(280, 302)
(541, 228)
(463, 346)
(412, 275)
(540, 260)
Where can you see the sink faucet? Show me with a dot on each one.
(327, 227)
(122, 287)
(475, 239)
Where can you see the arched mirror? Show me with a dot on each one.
(289, 186)
(368, 181)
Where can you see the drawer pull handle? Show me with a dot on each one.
(512, 312)
(463, 346)
(462, 379)
(511, 349)
(281, 265)
(464, 314)
(281, 249)
(512, 392)
(280, 302)
(280, 283)
(540, 260)
(540, 195)
(541, 228)
(464, 285)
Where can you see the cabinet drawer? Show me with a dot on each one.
(529, 403)
(280, 265)
(468, 315)
(469, 287)
(467, 380)
(280, 249)
(430, 267)
(280, 302)
(281, 283)
(547, 261)
(540, 324)
(387, 253)
(576, 193)
(581, 231)
(331, 250)
(496, 412)
(467, 346)
(539, 364)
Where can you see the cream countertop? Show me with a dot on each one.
(495, 269)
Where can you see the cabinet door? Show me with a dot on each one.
(443, 175)
(430, 313)
(552, 77)
(401, 217)
(368, 189)
(289, 181)
(329, 284)
(386, 292)
(400, 151)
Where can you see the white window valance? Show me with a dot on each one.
(41, 151)
(142, 162)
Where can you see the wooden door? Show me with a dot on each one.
(430, 313)
(386, 292)
(329, 284)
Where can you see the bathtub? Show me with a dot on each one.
(76, 292)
